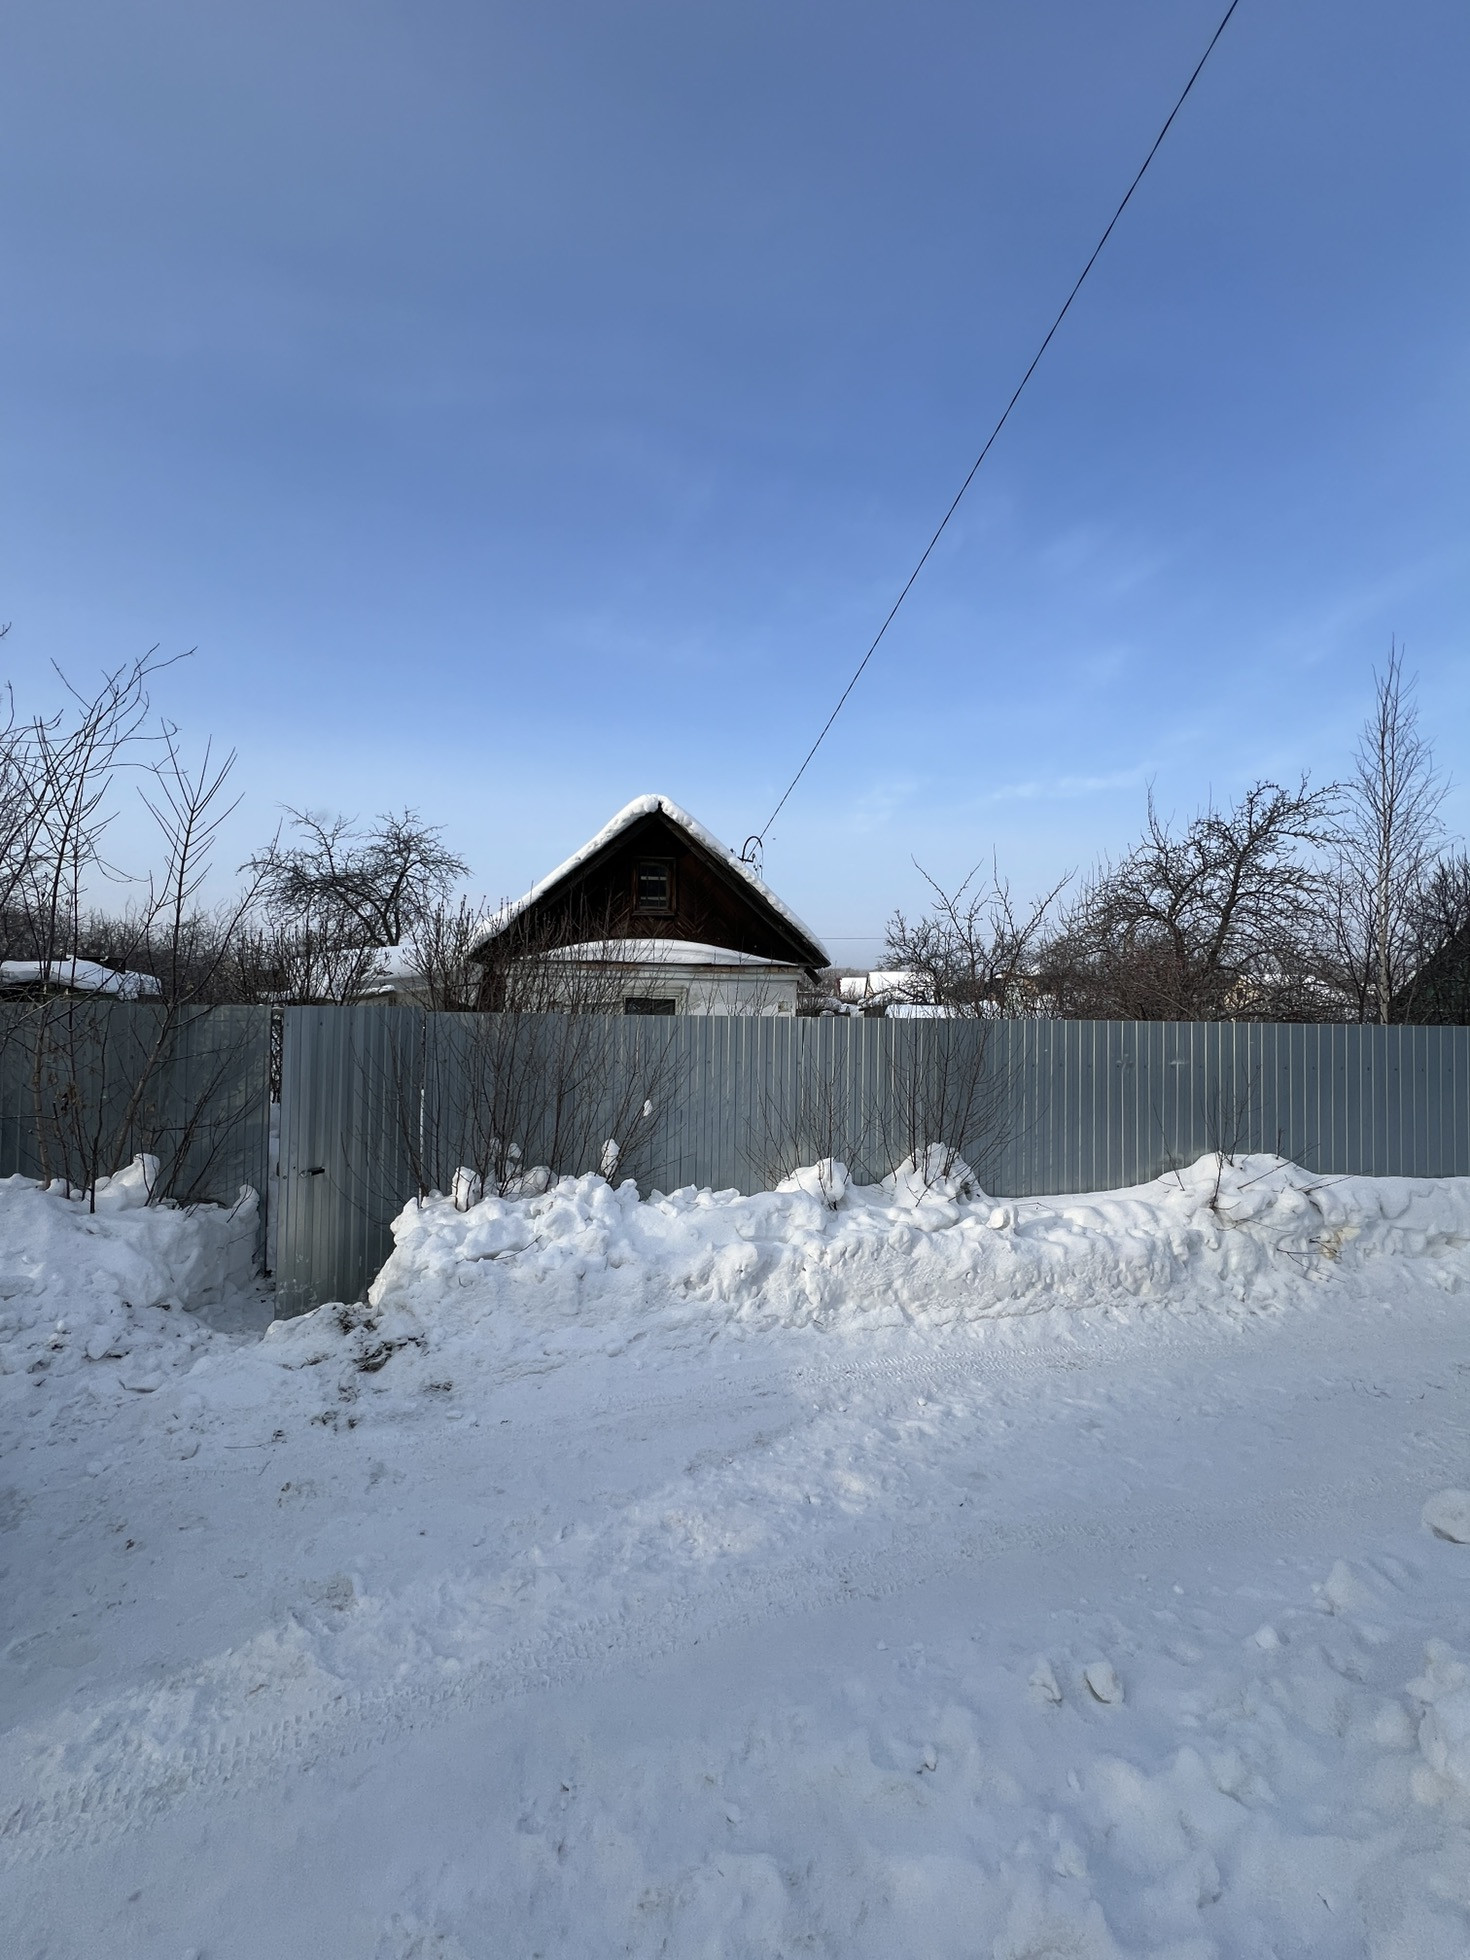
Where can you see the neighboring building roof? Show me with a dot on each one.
(79, 977)
(667, 952)
(896, 984)
(385, 968)
(704, 840)
(1438, 994)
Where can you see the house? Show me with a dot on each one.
(1438, 994)
(653, 915)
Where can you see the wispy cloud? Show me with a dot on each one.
(1058, 789)
(1102, 560)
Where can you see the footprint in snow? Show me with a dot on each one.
(1044, 1684)
(1447, 1515)
(1102, 1682)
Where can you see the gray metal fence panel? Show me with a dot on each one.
(343, 1169)
(87, 1084)
(379, 1104)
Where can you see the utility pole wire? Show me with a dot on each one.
(760, 835)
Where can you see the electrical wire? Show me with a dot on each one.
(759, 837)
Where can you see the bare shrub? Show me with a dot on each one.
(944, 1100)
(546, 1071)
(483, 1099)
(874, 1095)
(439, 953)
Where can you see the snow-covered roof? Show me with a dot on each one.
(647, 806)
(385, 967)
(893, 984)
(81, 976)
(667, 952)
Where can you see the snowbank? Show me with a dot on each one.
(576, 1265)
(97, 1293)
(581, 1260)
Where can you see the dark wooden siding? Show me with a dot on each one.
(710, 902)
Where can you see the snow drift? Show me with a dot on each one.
(98, 1290)
(576, 1261)
(109, 1295)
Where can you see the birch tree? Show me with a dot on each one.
(1384, 848)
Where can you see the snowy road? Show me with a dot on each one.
(772, 1646)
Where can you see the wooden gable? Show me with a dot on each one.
(655, 879)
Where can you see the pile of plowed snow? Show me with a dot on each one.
(581, 1262)
(102, 1289)
(104, 1296)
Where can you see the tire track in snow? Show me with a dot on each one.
(201, 1734)
(224, 1759)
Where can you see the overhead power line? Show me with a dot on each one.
(760, 835)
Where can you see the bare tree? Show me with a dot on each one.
(1384, 845)
(975, 947)
(58, 777)
(351, 887)
(104, 1080)
(1210, 924)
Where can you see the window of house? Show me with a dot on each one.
(642, 1004)
(654, 889)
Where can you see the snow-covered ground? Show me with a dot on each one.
(857, 1573)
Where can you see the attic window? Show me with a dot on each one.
(654, 891)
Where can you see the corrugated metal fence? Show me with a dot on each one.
(87, 1084)
(378, 1104)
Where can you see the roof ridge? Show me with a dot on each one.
(646, 806)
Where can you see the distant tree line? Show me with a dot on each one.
(1346, 902)
(309, 920)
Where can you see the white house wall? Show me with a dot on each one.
(707, 990)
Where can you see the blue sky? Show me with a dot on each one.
(524, 407)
